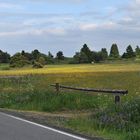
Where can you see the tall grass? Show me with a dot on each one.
(116, 122)
(33, 92)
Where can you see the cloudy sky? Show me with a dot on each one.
(53, 25)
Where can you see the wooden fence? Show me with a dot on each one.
(115, 92)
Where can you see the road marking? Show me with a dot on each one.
(45, 127)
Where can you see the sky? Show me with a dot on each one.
(54, 25)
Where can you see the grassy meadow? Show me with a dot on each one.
(32, 92)
(79, 68)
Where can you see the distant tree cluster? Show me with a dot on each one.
(85, 55)
(36, 58)
(4, 57)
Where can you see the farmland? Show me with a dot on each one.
(33, 93)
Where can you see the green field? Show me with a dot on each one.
(33, 92)
(81, 68)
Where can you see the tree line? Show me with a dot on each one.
(85, 55)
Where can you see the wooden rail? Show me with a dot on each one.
(116, 92)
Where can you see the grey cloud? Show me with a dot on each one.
(131, 16)
(35, 30)
(72, 40)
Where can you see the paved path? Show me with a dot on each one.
(14, 128)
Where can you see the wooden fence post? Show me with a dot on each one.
(116, 92)
(117, 99)
(57, 87)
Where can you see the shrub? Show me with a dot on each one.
(18, 60)
(42, 60)
(122, 118)
(37, 65)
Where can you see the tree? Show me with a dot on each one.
(35, 54)
(50, 58)
(77, 57)
(87, 56)
(60, 55)
(83, 58)
(124, 55)
(23, 52)
(87, 52)
(50, 55)
(42, 60)
(80, 57)
(29, 56)
(104, 53)
(129, 52)
(18, 60)
(137, 50)
(114, 52)
(4, 57)
(97, 56)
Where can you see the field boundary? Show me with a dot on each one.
(116, 92)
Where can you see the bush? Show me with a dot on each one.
(42, 60)
(37, 65)
(18, 60)
(121, 118)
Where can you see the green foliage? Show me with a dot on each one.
(50, 55)
(50, 58)
(119, 123)
(129, 53)
(42, 60)
(28, 56)
(135, 135)
(5, 67)
(88, 56)
(46, 100)
(18, 60)
(97, 56)
(37, 65)
(22, 59)
(124, 117)
(80, 58)
(77, 58)
(35, 54)
(114, 52)
(60, 55)
(104, 53)
(4, 57)
(137, 51)
(86, 51)
(85, 55)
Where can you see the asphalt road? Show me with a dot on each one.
(14, 128)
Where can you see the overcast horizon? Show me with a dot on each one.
(53, 25)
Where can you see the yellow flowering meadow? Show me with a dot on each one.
(74, 69)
